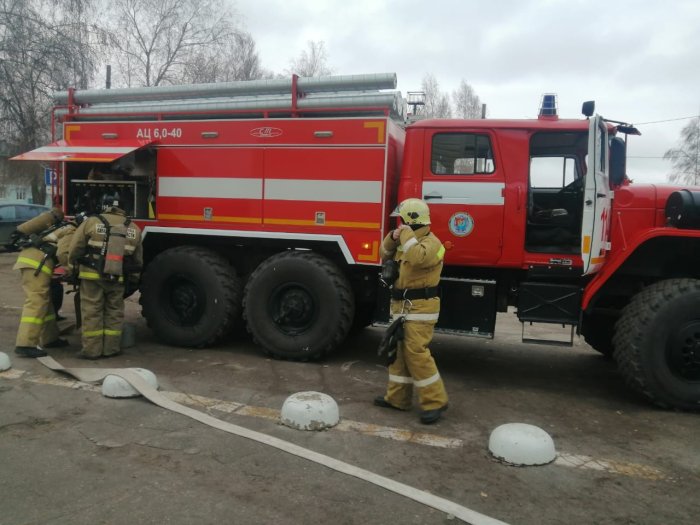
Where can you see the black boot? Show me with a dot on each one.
(428, 417)
(58, 343)
(381, 402)
(29, 351)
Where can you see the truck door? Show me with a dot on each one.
(596, 199)
(464, 188)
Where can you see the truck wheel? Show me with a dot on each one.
(298, 305)
(190, 296)
(657, 343)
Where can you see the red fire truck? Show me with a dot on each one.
(265, 202)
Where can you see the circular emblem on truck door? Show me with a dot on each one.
(461, 224)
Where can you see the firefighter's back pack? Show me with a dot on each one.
(115, 247)
(107, 247)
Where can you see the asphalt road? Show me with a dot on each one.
(69, 455)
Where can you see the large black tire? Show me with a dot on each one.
(190, 296)
(298, 305)
(657, 343)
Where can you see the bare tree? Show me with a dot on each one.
(685, 159)
(466, 102)
(42, 48)
(437, 103)
(155, 40)
(235, 59)
(311, 62)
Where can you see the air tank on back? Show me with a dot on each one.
(41, 222)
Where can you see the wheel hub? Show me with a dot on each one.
(292, 308)
(684, 352)
(183, 301)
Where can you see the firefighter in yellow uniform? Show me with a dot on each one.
(414, 296)
(38, 239)
(107, 248)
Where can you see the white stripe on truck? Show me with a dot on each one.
(210, 187)
(463, 192)
(369, 191)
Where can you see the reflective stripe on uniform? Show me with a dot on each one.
(94, 276)
(400, 379)
(112, 332)
(441, 253)
(35, 264)
(417, 317)
(93, 333)
(425, 382)
(409, 244)
(38, 320)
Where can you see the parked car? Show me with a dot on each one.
(13, 214)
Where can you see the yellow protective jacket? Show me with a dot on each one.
(31, 257)
(62, 237)
(420, 256)
(90, 237)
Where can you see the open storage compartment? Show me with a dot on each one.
(131, 176)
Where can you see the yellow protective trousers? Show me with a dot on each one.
(415, 366)
(37, 326)
(102, 311)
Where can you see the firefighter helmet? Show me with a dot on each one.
(111, 199)
(413, 212)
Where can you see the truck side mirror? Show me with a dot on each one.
(618, 161)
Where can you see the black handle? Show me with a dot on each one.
(428, 197)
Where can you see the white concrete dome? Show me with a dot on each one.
(522, 445)
(115, 386)
(310, 411)
(5, 363)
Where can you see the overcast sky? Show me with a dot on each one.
(639, 60)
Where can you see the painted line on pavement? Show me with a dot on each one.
(231, 407)
(633, 470)
(564, 459)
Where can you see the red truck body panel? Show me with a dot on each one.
(334, 176)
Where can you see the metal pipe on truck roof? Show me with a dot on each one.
(210, 107)
(248, 102)
(231, 89)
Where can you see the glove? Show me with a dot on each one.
(391, 339)
(49, 249)
(80, 217)
(14, 242)
(35, 240)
